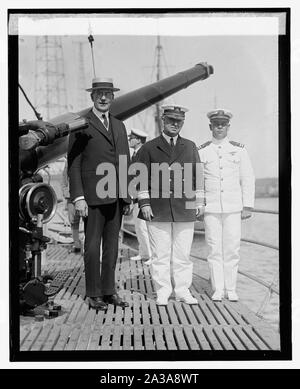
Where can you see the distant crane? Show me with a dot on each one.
(50, 81)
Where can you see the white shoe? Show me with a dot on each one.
(188, 299)
(162, 301)
(217, 296)
(136, 258)
(232, 296)
(139, 258)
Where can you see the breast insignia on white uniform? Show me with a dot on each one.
(236, 144)
(204, 145)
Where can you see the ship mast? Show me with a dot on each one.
(158, 125)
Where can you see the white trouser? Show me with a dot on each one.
(223, 235)
(141, 231)
(171, 245)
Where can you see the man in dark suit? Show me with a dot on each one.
(170, 210)
(103, 141)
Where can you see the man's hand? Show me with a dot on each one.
(127, 209)
(147, 212)
(81, 208)
(246, 213)
(200, 213)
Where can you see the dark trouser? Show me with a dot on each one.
(103, 223)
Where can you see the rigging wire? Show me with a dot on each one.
(37, 114)
(91, 40)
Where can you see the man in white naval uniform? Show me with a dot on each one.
(136, 139)
(229, 186)
(169, 217)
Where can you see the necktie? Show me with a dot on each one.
(172, 142)
(105, 122)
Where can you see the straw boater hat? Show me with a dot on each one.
(102, 83)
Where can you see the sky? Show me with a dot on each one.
(244, 79)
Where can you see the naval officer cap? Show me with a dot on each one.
(174, 111)
(138, 132)
(222, 114)
(102, 83)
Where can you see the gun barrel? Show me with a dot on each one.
(126, 106)
(136, 101)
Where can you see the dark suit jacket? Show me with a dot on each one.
(158, 151)
(90, 147)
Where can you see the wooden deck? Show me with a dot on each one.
(143, 325)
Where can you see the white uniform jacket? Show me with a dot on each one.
(229, 181)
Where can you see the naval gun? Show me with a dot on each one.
(41, 143)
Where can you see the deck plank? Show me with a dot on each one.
(259, 344)
(159, 338)
(190, 338)
(207, 313)
(222, 338)
(127, 338)
(136, 309)
(190, 314)
(199, 315)
(180, 340)
(42, 337)
(181, 314)
(169, 336)
(32, 337)
(105, 339)
(214, 310)
(145, 312)
(211, 338)
(201, 338)
(154, 313)
(238, 330)
(86, 330)
(116, 339)
(148, 336)
(235, 340)
(137, 337)
(172, 313)
(63, 337)
(143, 325)
(73, 338)
(163, 314)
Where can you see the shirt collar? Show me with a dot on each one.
(220, 141)
(168, 138)
(99, 114)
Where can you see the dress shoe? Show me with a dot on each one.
(232, 296)
(97, 303)
(188, 299)
(217, 296)
(115, 300)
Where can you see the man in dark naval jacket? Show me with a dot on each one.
(102, 142)
(170, 202)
